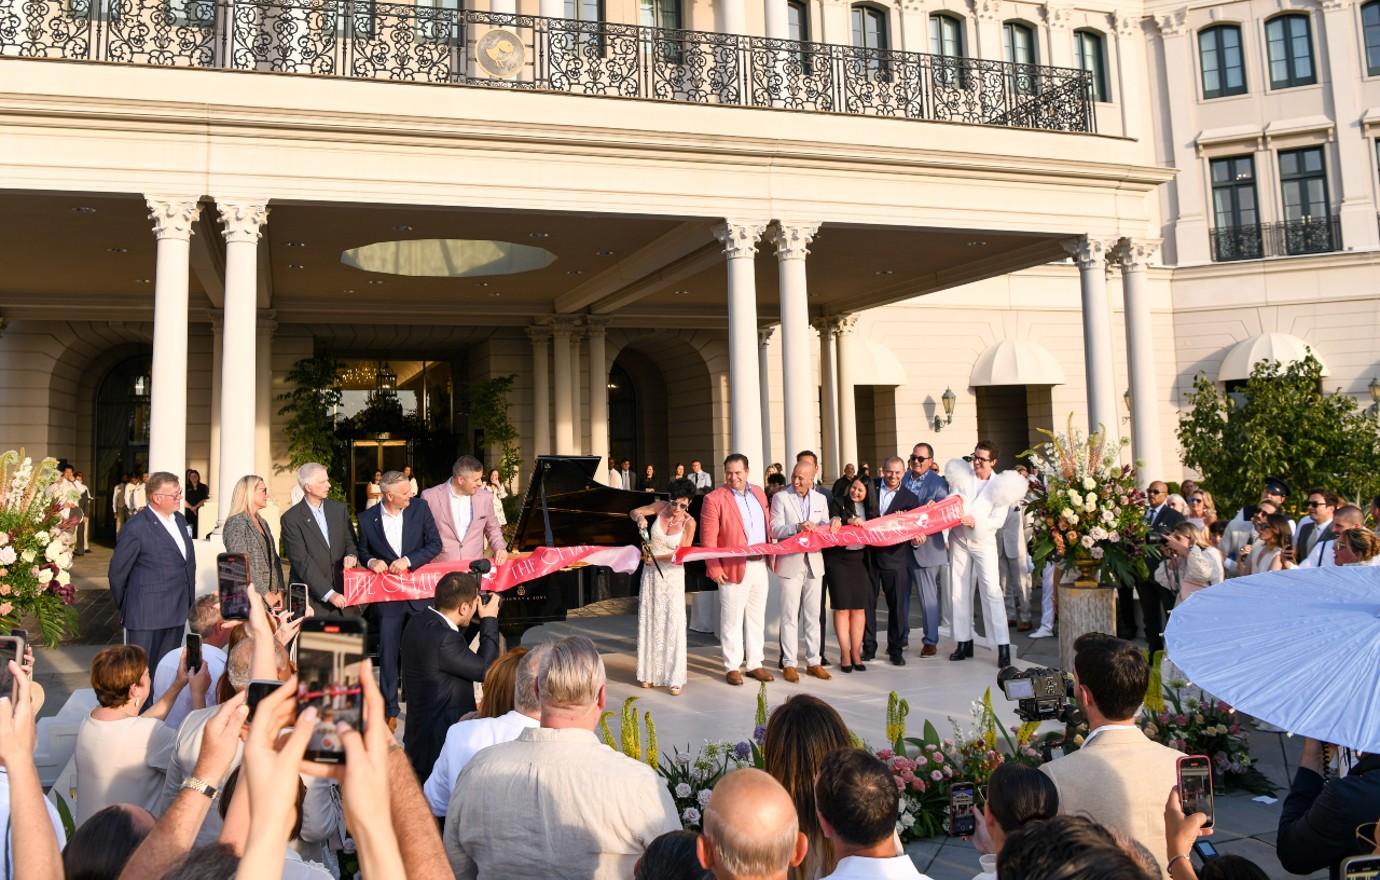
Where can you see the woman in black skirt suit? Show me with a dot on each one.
(851, 590)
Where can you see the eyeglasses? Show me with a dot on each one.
(1154, 491)
(680, 505)
(919, 458)
(980, 460)
(173, 495)
(1313, 504)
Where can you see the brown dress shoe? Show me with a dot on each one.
(393, 724)
(792, 674)
(761, 674)
(818, 672)
(734, 677)
(1024, 627)
(928, 651)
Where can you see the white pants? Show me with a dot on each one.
(800, 598)
(743, 611)
(1015, 584)
(976, 566)
(1047, 588)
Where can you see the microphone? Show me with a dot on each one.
(481, 566)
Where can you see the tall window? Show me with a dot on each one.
(659, 14)
(1092, 57)
(1290, 50)
(869, 28)
(1018, 46)
(946, 36)
(798, 20)
(1236, 217)
(1303, 184)
(585, 10)
(1219, 54)
(1370, 24)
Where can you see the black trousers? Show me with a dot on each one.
(869, 642)
(1155, 604)
(156, 643)
(1126, 612)
(896, 588)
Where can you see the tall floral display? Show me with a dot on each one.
(35, 547)
(1087, 511)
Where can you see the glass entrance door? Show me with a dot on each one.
(370, 456)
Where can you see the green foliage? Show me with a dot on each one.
(489, 407)
(1287, 427)
(760, 718)
(309, 406)
(896, 711)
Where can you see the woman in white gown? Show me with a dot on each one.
(661, 625)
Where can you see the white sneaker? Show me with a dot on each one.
(1043, 632)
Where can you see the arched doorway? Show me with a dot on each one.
(660, 405)
(121, 431)
(625, 419)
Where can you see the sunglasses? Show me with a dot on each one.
(1313, 504)
(680, 505)
(1195, 501)
(919, 458)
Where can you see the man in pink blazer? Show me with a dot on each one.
(464, 514)
(735, 515)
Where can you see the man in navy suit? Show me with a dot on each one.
(396, 536)
(153, 571)
(929, 555)
(893, 563)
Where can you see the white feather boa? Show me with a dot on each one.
(1006, 488)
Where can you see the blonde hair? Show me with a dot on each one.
(239, 499)
(572, 672)
(1362, 543)
(1198, 536)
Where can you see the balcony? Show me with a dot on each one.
(406, 43)
(1310, 235)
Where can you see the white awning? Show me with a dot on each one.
(1016, 362)
(1264, 347)
(872, 363)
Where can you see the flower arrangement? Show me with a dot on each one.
(1087, 509)
(35, 551)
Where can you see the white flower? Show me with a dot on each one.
(907, 820)
(45, 575)
(1090, 502)
(1087, 541)
(703, 796)
(682, 790)
(7, 555)
(691, 816)
(53, 551)
(64, 578)
(1075, 498)
(1098, 533)
(1114, 536)
(28, 556)
(1089, 483)
(1069, 515)
(41, 537)
(1108, 516)
(1097, 553)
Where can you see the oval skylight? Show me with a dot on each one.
(447, 258)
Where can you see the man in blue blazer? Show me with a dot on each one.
(893, 564)
(153, 571)
(929, 553)
(396, 536)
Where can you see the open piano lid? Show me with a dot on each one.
(579, 509)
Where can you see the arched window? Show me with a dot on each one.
(946, 35)
(798, 20)
(1370, 24)
(1219, 55)
(1092, 57)
(869, 28)
(1289, 46)
(1018, 42)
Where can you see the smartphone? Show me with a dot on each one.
(962, 819)
(257, 690)
(328, 657)
(21, 633)
(1204, 850)
(297, 600)
(193, 653)
(11, 648)
(233, 569)
(1361, 868)
(1195, 786)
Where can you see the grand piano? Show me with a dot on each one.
(566, 506)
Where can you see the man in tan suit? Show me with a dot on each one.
(1119, 777)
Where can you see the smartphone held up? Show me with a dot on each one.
(11, 648)
(1195, 786)
(329, 653)
(233, 575)
(962, 803)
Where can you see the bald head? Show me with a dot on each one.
(750, 829)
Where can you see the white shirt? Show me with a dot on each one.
(461, 513)
(1093, 734)
(701, 479)
(393, 529)
(450, 623)
(170, 523)
(7, 866)
(863, 868)
(884, 497)
(212, 656)
(463, 740)
(1322, 555)
(754, 521)
(297, 868)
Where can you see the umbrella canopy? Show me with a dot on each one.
(1299, 649)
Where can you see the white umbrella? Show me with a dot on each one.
(1299, 649)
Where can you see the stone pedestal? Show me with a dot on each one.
(1083, 611)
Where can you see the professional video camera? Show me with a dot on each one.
(1041, 694)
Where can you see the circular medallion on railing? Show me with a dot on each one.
(500, 53)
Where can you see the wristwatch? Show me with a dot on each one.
(200, 785)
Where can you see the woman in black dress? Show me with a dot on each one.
(851, 591)
(193, 497)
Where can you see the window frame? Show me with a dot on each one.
(1102, 87)
(1234, 187)
(804, 9)
(1302, 176)
(1224, 89)
(956, 21)
(1292, 80)
(1370, 38)
(883, 18)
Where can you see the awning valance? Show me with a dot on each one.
(1016, 362)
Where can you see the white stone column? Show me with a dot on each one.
(739, 239)
(565, 417)
(263, 399)
(212, 475)
(776, 17)
(243, 221)
(1130, 68)
(764, 335)
(848, 409)
(504, 7)
(792, 240)
(598, 391)
(1354, 191)
(731, 16)
(172, 218)
(828, 383)
(551, 8)
(1134, 257)
(541, 389)
(576, 390)
(1090, 255)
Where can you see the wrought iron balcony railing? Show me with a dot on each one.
(416, 43)
(1310, 235)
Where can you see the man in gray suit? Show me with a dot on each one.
(153, 571)
(929, 554)
(319, 540)
(800, 509)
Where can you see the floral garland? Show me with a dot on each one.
(35, 547)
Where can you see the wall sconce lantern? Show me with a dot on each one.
(948, 399)
(385, 381)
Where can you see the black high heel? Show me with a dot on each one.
(846, 669)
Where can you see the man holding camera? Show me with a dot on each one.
(438, 668)
(1155, 601)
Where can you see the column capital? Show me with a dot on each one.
(764, 334)
(173, 216)
(792, 238)
(595, 325)
(844, 325)
(268, 320)
(1058, 15)
(1335, 5)
(1133, 255)
(1086, 252)
(1172, 24)
(739, 237)
(1126, 24)
(561, 329)
(539, 332)
(243, 220)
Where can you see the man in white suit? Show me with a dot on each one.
(1015, 579)
(986, 498)
(797, 511)
(464, 516)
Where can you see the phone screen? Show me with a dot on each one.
(1205, 850)
(297, 600)
(1361, 868)
(233, 569)
(257, 690)
(962, 821)
(1195, 786)
(193, 652)
(11, 648)
(328, 658)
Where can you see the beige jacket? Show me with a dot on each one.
(1121, 780)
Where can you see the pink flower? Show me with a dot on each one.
(5, 589)
(918, 785)
(5, 608)
(1181, 720)
(1180, 744)
(900, 785)
(936, 776)
(885, 754)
